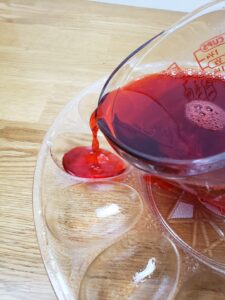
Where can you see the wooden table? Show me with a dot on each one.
(49, 50)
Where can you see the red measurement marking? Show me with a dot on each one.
(217, 61)
(211, 54)
(213, 43)
(174, 67)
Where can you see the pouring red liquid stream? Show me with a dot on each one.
(92, 162)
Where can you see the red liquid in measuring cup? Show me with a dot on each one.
(92, 162)
(179, 117)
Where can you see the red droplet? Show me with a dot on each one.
(86, 163)
(218, 202)
(163, 184)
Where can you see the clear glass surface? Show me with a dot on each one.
(131, 236)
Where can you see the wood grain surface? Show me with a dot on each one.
(49, 50)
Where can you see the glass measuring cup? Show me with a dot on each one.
(195, 45)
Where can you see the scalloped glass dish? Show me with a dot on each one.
(130, 236)
(98, 238)
(80, 221)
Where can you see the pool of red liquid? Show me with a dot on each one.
(86, 163)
